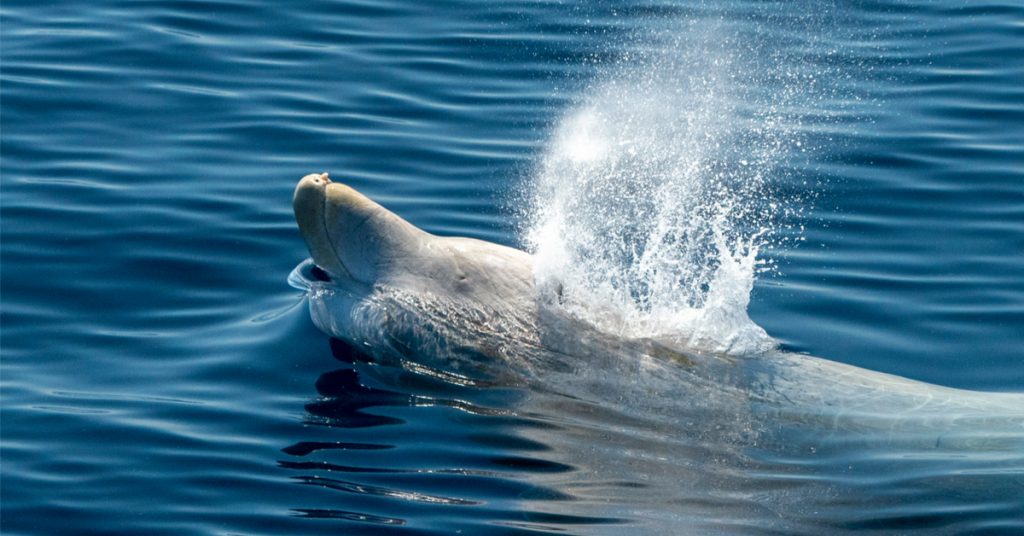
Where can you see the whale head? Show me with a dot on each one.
(391, 281)
(350, 236)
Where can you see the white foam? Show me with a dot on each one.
(653, 199)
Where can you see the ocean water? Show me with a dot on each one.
(847, 180)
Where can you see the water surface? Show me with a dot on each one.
(160, 376)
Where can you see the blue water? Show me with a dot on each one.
(159, 375)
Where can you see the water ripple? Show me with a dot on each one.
(158, 378)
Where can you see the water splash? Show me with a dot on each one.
(655, 196)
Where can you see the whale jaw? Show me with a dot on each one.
(350, 236)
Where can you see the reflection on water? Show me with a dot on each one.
(479, 461)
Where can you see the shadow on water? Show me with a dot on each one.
(420, 454)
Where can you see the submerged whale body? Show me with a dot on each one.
(472, 311)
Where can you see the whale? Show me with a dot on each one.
(473, 312)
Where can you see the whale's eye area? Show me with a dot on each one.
(320, 274)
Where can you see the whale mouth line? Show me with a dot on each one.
(327, 233)
(319, 273)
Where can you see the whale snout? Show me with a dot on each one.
(349, 235)
(310, 188)
(309, 204)
(317, 178)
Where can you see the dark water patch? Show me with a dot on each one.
(304, 448)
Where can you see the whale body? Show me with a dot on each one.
(472, 311)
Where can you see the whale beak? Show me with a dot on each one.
(309, 204)
(349, 235)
